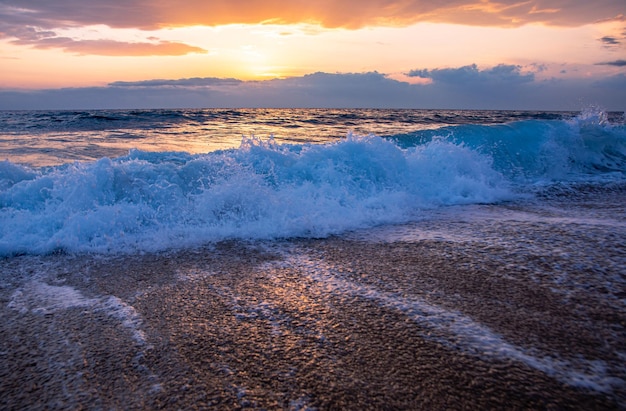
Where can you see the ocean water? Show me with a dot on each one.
(312, 259)
(136, 181)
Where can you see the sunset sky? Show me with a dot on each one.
(550, 54)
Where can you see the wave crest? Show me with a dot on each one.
(152, 201)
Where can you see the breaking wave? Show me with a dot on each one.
(148, 201)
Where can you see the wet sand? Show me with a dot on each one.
(338, 323)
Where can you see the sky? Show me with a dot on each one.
(451, 54)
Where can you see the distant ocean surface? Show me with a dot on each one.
(127, 181)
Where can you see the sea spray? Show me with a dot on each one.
(156, 200)
(149, 201)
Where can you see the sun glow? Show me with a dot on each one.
(263, 51)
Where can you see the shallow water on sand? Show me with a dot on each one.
(512, 306)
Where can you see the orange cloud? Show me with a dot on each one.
(117, 48)
(351, 14)
(36, 23)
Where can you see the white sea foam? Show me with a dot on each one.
(40, 298)
(148, 201)
(126, 314)
(458, 331)
(152, 201)
(456, 224)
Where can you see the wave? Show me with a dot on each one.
(534, 150)
(150, 201)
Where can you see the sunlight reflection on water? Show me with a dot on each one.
(48, 138)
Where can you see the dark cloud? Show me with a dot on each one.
(610, 40)
(473, 76)
(500, 87)
(616, 63)
(616, 82)
(615, 40)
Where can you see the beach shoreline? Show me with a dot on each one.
(345, 322)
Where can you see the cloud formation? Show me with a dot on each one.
(499, 87)
(616, 82)
(616, 63)
(37, 23)
(185, 82)
(39, 38)
(615, 41)
(39, 33)
(471, 75)
(112, 47)
(610, 40)
(328, 13)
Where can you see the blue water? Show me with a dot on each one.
(135, 181)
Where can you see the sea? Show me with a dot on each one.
(127, 181)
(499, 235)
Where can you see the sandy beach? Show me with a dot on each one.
(336, 323)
